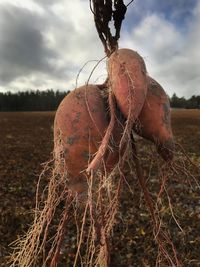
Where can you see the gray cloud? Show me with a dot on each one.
(45, 48)
(23, 48)
(47, 3)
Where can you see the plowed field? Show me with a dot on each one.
(26, 141)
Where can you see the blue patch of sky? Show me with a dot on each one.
(178, 12)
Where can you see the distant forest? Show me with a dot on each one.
(50, 99)
(31, 100)
(181, 102)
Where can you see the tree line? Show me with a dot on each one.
(31, 100)
(180, 102)
(50, 99)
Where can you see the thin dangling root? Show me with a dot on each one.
(94, 217)
(161, 236)
(104, 144)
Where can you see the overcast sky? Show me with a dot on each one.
(45, 43)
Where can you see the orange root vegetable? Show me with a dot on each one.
(80, 124)
(82, 120)
(128, 81)
(155, 120)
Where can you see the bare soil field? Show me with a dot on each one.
(26, 141)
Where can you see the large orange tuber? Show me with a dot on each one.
(128, 81)
(155, 120)
(79, 127)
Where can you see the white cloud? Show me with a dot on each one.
(172, 54)
(27, 4)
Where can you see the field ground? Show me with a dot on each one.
(26, 140)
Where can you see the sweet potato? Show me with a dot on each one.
(80, 124)
(155, 120)
(128, 81)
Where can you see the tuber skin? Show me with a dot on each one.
(80, 124)
(128, 81)
(155, 120)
